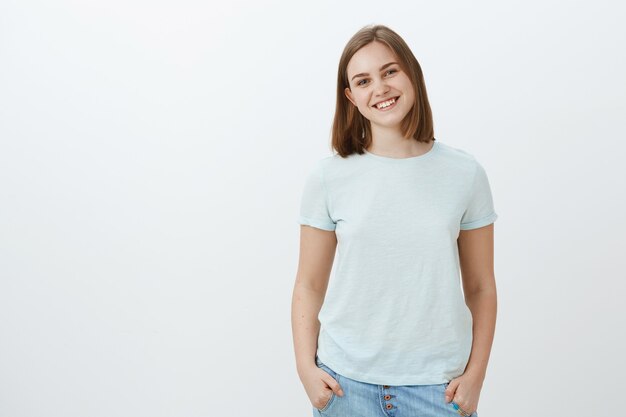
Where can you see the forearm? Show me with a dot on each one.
(305, 307)
(483, 305)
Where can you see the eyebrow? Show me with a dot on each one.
(381, 68)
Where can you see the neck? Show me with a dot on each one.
(393, 144)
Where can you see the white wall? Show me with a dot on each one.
(152, 156)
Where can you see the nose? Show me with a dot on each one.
(381, 88)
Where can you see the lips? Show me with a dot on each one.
(395, 99)
(387, 99)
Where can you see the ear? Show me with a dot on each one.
(349, 95)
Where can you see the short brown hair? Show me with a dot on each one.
(351, 132)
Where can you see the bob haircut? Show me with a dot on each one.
(351, 131)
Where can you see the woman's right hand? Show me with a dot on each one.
(319, 386)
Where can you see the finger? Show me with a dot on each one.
(450, 392)
(334, 385)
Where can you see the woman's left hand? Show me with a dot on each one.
(465, 391)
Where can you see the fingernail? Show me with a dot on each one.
(340, 392)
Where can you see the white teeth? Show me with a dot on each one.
(386, 103)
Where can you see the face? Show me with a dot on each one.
(372, 81)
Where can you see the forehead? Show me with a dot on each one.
(370, 58)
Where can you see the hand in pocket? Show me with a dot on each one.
(320, 386)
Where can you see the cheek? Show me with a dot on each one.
(409, 88)
(362, 101)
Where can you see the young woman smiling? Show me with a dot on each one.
(393, 333)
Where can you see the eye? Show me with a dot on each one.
(392, 71)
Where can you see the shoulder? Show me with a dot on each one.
(334, 166)
(317, 166)
(324, 169)
(455, 153)
(457, 159)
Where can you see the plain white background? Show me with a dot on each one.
(152, 158)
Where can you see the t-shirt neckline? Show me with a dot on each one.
(388, 159)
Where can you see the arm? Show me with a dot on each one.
(479, 286)
(317, 253)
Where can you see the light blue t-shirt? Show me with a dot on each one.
(394, 311)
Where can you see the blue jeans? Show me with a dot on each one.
(361, 399)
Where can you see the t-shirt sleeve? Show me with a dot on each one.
(314, 201)
(480, 211)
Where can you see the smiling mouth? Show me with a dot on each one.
(394, 101)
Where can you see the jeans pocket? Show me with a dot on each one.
(330, 401)
(335, 376)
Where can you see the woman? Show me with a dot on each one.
(407, 214)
